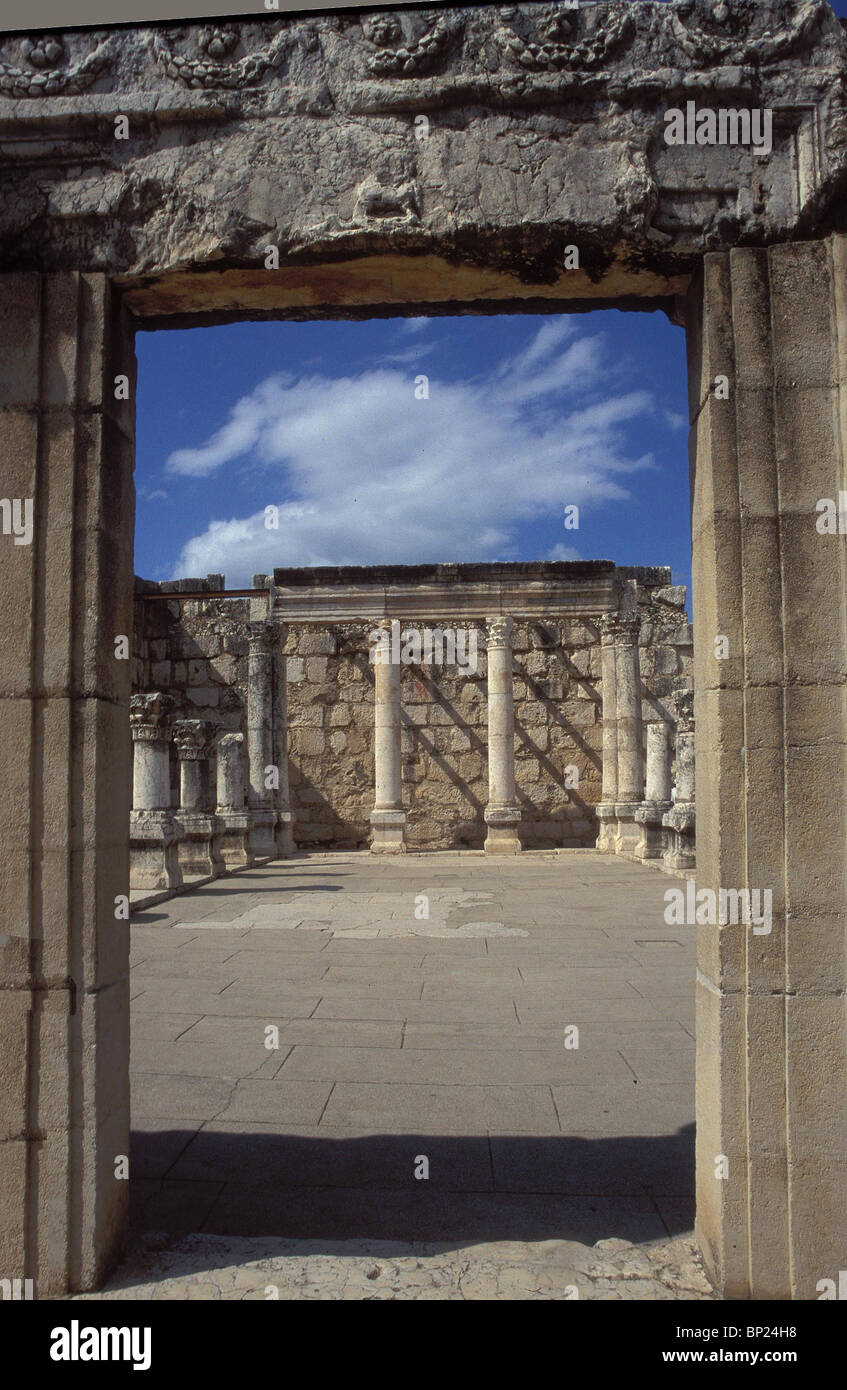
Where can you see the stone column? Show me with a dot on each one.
(502, 814)
(260, 751)
(771, 737)
(67, 446)
(657, 793)
(153, 831)
(629, 733)
(231, 844)
(388, 818)
(680, 817)
(195, 818)
(282, 794)
(605, 810)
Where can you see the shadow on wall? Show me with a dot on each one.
(505, 1187)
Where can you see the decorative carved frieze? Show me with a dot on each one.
(544, 127)
(399, 55)
(48, 77)
(217, 68)
(558, 39)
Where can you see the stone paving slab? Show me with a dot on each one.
(396, 1044)
(628, 1107)
(454, 1067)
(465, 1109)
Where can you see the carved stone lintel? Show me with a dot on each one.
(534, 76)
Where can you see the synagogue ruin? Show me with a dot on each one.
(148, 172)
(322, 738)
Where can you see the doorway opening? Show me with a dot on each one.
(441, 1045)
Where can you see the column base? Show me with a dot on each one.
(627, 831)
(284, 834)
(654, 835)
(195, 849)
(502, 837)
(388, 829)
(262, 843)
(154, 851)
(680, 823)
(605, 813)
(231, 840)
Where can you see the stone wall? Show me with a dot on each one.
(196, 651)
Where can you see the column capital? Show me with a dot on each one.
(148, 715)
(262, 634)
(619, 630)
(499, 630)
(192, 738)
(608, 625)
(230, 740)
(627, 628)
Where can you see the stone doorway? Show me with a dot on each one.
(758, 278)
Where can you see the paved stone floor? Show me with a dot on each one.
(420, 1006)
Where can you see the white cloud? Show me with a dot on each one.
(414, 325)
(563, 552)
(409, 354)
(364, 473)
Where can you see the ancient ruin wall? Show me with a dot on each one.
(196, 651)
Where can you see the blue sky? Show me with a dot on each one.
(526, 415)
